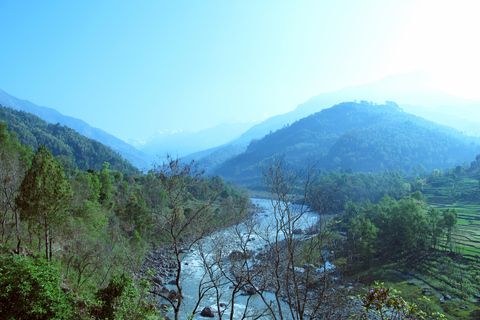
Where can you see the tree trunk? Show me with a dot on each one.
(46, 240)
(50, 243)
(19, 242)
(3, 225)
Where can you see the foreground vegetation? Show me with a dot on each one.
(93, 229)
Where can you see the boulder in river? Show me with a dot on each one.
(298, 231)
(236, 255)
(159, 281)
(248, 290)
(208, 312)
(173, 295)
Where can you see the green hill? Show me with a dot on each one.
(69, 147)
(358, 137)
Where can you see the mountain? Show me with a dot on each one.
(414, 92)
(183, 143)
(356, 137)
(414, 89)
(136, 157)
(69, 147)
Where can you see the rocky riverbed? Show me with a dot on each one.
(251, 273)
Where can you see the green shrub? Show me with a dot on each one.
(30, 289)
(121, 299)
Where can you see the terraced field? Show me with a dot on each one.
(458, 195)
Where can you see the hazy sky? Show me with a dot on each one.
(134, 67)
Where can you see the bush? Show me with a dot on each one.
(31, 289)
(387, 303)
(122, 300)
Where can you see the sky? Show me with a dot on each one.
(133, 68)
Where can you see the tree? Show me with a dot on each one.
(435, 226)
(363, 234)
(14, 158)
(45, 195)
(295, 247)
(184, 223)
(449, 221)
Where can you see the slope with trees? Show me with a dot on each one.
(94, 227)
(359, 137)
(52, 116)
(69, 147)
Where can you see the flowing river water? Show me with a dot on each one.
(214, 250)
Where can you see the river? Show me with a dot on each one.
(208, 263)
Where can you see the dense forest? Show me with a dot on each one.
(71, 149)
(356, 137)
(89, 231)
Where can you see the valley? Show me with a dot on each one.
(391, 200)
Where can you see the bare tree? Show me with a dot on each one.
(288, 278)
(186, 220)
(294, 266)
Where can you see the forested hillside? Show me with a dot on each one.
(136, 157)
(70, 148)
(93, 227)
(358, 137)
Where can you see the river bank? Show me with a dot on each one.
(250, 268)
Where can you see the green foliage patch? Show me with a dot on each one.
(31, 289)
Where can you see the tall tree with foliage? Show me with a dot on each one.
(13, 159)
(45, 195)
(450, 220)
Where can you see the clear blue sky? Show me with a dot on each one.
(134, 67)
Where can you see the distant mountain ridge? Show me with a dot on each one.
(71, 149)
(184, 143)
(412, 91)
(358, 137)
(136, 157)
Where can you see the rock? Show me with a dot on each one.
(248, 290)
(425, 292)
(311, 231)
(173, 295)
(159, 281)
(222, 304)
(447, 297)
(208, 312)
(251, 239)
(299, 270)
(172, 282)
(464, 307)
(236, 255)
(298, 231)
(165, 290)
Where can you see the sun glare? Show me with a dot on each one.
(441, 37)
